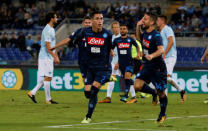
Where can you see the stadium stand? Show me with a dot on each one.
(188, 18)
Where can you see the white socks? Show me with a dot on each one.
(132, 91)
(37, 87)
(173, 83)
(110, 88)
(47, 90)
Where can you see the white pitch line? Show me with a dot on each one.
(125, 129)
(111, 122)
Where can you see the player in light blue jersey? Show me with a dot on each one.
(170, 54)
(46, 59)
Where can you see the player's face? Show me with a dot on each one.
(87, 23)
(55, 19)
(97, 21)
(147, 21)
(159, 22)
(124, 30)
(116, 28)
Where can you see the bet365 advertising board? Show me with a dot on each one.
(71, 80)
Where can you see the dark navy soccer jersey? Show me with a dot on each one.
(98, 46)
(150, 42)
(124, 46)
(81, 45)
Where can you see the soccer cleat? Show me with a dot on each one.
(183, 96)
(106, 100)
(133, 100)
(32, 97)
(123, 99)
(51, 102)
(86, 120)
(206, 101)
(161, 119)
(154, 100)
(113, 78)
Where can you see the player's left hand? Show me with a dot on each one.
(149, 57)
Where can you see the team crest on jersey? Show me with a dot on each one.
(123, 45)
(150, 37)
(128, 40)
(96, 41)
(105, 35)
(146, 43)
(72, 33)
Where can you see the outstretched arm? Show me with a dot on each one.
(63, 42)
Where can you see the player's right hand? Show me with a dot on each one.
(139, 23)
(56, 60)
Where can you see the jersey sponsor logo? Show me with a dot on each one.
(123, 45)
(146, 43)
(96, 41)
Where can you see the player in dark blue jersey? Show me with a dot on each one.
(99, 43)
(154, 68)
(125, 60)
(82, 60)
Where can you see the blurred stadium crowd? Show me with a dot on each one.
(18, 23)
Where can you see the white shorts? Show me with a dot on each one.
(170, 63)
(115, 72)
(45, 67)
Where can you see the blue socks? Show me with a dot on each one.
(147, 89)
(128, 83)
(163, 105)
(93, 101)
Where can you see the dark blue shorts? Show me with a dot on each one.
(101, 76)
(83, 69)
(124, 69)
(157, 76)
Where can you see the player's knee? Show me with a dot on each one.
(94, 91)
(87, 94)
(137, 85)
(169, 79)
(161, 94)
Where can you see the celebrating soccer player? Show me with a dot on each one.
(46, 59)
(98, 44)
(154, 68)
(125, 61)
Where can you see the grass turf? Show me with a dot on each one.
(18, 113)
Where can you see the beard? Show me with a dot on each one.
(145, 27)
(123, 34)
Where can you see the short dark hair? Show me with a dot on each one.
(153, 16)
(49, 16)
(124, 25)
(164, 18)
(86, 17)
(95, 12)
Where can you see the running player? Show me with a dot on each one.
(124, 47)
(154, 68)
(99, 42)
(202, 61)
(82, 51)
(46, 59)
(170, 54)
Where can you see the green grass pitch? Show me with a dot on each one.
(18, 113)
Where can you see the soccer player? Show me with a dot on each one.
(125, 61)
(46, 59)
(114, 63)
(82, 61)
(170, 54)
(202, 61)
(99, 42)
(154, 68)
